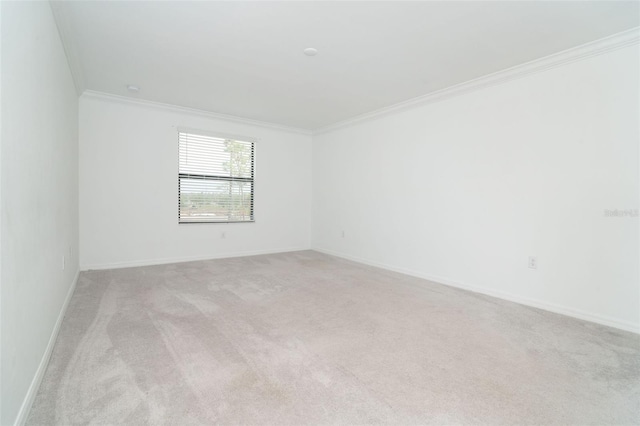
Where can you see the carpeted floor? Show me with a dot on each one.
(305, 338)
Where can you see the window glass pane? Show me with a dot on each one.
(205, 155)
(215, 201)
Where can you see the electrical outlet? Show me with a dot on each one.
(533, 262)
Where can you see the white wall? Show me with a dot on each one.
(39, 177)
(0, 213)
(129, 184)
(464, 190)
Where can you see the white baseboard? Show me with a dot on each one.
(37, 379)
(164, 261)
(540, 304)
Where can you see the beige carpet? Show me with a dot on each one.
(305, 338)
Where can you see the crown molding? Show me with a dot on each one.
(70, 49)
(616, 41)
(92, 94)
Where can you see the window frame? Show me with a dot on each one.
(251, 180)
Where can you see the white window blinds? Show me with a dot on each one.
(215, 179)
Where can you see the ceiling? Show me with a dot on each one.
(246, 58)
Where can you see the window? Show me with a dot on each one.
(215, 178)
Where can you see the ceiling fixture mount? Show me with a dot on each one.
(133, 89)
(310, 51)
